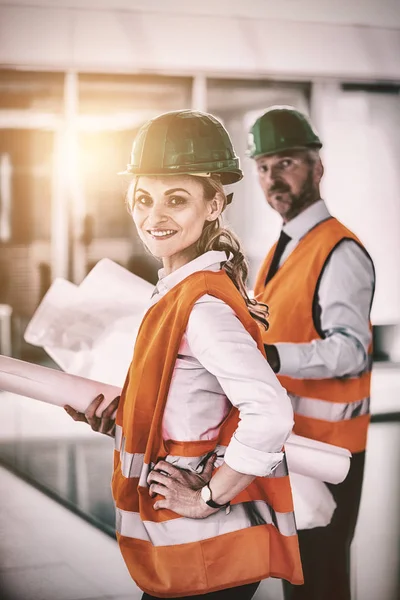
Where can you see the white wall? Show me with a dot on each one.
(362, 179)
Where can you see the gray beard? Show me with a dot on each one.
(305, 197)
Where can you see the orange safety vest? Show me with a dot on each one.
(169, 555)
(335, 411)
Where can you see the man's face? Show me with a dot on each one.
(290, 181)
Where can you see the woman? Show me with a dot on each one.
(199, 393)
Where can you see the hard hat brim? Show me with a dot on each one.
(315, 146)
(227, 177)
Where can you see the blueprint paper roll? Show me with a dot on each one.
(313, 503)
(52, 386)
(317, 459)
(304, 456)
(90, 330)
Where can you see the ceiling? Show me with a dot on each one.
(374, 13)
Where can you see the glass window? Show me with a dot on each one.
(105, 94)
(34, 90)
(29, 154)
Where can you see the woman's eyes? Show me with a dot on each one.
(143, 200)
(176, 200)
(171, 200)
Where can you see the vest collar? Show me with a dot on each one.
(209, 261)
(305, 221)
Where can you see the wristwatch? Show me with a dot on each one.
(206, 495)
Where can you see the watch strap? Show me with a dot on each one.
(210, 502)
(215, 504)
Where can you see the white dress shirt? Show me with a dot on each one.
(344, 295)
(219, 365)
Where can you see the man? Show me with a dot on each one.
(318, 282)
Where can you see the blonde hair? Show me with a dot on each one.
(216, 237)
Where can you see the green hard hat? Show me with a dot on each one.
(184, 142)
(281, 128)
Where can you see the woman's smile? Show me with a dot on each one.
(161, 234)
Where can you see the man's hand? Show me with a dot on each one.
(273, 357)
(181, 489)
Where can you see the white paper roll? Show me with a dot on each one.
(317, 459)
(313, 503)
(90, 330)
(52, 386)
(305, 457)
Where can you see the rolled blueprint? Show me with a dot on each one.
(305, 457)
(317, 459)
(52, 386)
(90, 329)
(313, 503)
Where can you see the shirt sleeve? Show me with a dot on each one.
(344, 297)
(218, 340)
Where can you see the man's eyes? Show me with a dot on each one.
(285, 163)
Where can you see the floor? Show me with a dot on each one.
(49, 553)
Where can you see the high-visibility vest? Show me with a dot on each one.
(169, 555)
(334, 410)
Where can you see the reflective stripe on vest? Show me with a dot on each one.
(335, 410)
(186, 531)
(329, 411)
(133, 465)
(118, 437)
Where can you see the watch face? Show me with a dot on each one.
(206, 493)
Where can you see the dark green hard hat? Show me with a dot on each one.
(281, 128)
(184, 142)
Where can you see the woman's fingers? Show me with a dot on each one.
(105, 423)
(157, 488)
(156, 476)
(161, 504)
(90, 412)
(107, 426)
(109, 412)
(165, 466)
(157, 481)
(76, 415)
(208, 469)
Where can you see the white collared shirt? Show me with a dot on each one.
(218, 365)
(344, 295)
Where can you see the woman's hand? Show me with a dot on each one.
(103, 424)
(181, 489)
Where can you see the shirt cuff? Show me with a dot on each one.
(251, 461)
(289, 357)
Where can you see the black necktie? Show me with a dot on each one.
(283, 241)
